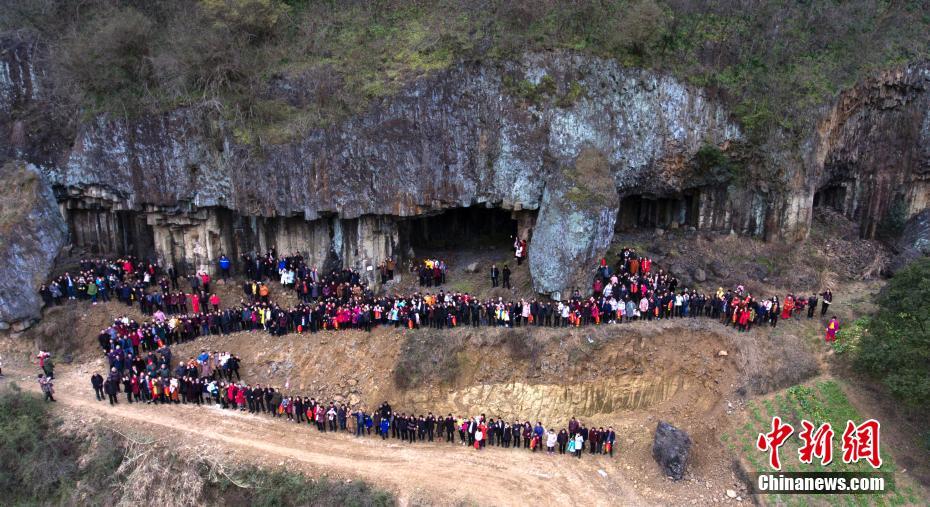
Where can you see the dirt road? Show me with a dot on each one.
(437, 473)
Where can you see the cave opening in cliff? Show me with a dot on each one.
(460, 228)
(646, 211)
(101, 231)
(831, 196)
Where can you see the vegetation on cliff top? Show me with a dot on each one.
(279, 67)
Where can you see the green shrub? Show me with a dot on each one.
(108, 59)
(283, 488)
(39, 464)
(896, 348)
(849, 337)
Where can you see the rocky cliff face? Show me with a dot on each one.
(870, 158)
(494, 134)
(488, 134)
(914, 242)
(575, 224)
(463, 137)
(31, 234)
(32, 127)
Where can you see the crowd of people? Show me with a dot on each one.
(148, 378)
(140, 359)
(206, 380)
(128, 281)
(430, 272)
(631, 289)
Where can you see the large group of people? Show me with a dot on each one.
(142, 369)
(149, 378)
(207, 380)
(631, 289)
(141, 364)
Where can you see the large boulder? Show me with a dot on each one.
(32, 231)
(671, 448)
(575, 224)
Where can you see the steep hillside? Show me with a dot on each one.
(179, 130)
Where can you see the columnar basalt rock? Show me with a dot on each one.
(490, 133)
(870, 159)
(464, 137)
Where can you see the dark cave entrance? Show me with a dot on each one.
(644, 211)
(831, 196)
(101, 231)
(136, 234)
(459, 228)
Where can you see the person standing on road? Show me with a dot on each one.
(610, 439)
(48, 389)
(96, 380)
(579, 444)
(562, 440)
(495, 275)
(551, 439)
(506, 280)
(111, 387)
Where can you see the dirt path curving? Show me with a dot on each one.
(436, 473)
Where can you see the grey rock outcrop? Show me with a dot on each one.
(871, 152)
(31, 234)
(914, 242)
(463, 137)
(575, 224)
(454, 139)
(671, 448)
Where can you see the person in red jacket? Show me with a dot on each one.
(240, 399)
(215, 302)
(231, 394)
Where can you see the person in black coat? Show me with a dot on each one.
(96, 380)
(562, 439)
(111, 387)
(516, 430)
(127, 388)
